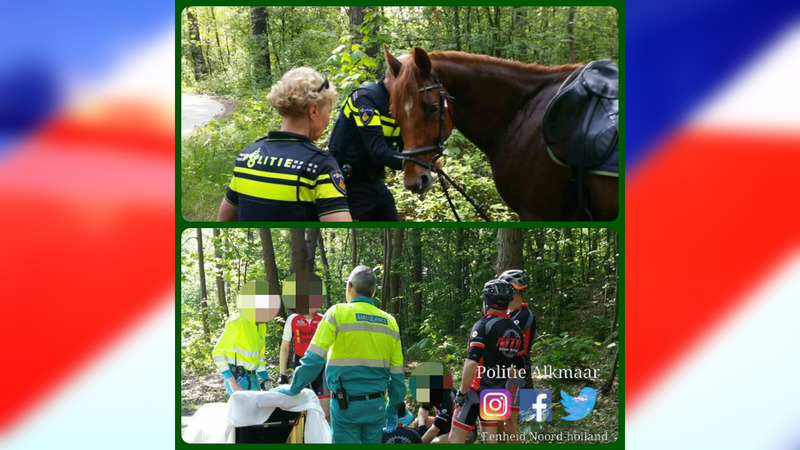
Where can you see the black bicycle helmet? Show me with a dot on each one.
(518, 279)
(497, 294)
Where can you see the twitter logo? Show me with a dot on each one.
(580, 406)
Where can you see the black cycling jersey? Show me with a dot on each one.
(284, 177)
(495, 343)
(523, 318)
(365, 136)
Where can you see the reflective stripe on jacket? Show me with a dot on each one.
(241, 344)
(363, 350)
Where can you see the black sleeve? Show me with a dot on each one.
(371, 133)
(232, 196)
(445, 412)
(531, 333)
(330, 192)
(476, 342)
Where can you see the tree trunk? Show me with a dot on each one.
(615, 282)
(195, 47)
(457, 26)
(610, 382)
(223, 303)
(416, 274)
(538, 254)
(312, 236)
(394, 280)
(203, 292)
(520, 35)
(582, 256)
(570, 34)
(559, 292)
(356, 16)
(216, 34)
(469, 26)
(569, 259)
(325, 267)
(259, 28)
(387, 268)
(298, 251)
(509, 249)
(355, 249)
(270, 267)
(461, 284)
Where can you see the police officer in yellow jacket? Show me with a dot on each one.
(239, 353)
(365, 360)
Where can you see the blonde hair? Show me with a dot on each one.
(297, 90)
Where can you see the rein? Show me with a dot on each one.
(438, 148)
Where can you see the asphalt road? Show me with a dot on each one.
(198, 110)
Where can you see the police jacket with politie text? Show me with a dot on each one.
(365, 136)
(284, 176)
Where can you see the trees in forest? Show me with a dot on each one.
(245, 45)
(259, 28)
(195, 46)
(238, 52)
(430, 279)
(203, 290)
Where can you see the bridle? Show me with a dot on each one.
(438, 149)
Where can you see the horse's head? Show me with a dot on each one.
(420, 105)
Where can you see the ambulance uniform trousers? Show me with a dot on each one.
(362, 421)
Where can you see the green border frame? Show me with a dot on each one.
(618, 225)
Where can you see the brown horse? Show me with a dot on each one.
(498, 105)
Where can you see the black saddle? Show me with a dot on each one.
(581, 122)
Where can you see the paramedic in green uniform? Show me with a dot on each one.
(284, 176)
(365, 362)
(239, 353)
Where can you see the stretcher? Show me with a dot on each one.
(260, 417)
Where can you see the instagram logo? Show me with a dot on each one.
(495, 404)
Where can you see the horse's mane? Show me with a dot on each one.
(408, 74)
(472, 58)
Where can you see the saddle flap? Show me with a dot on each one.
(580, 123)
(602, 78)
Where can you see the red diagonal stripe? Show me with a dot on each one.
(706, 218)
(80, 266)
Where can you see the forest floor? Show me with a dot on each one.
(198, 389)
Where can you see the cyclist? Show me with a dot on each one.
(298, 332)
(524, 319)
(494, 345)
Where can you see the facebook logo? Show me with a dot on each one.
(535, 405)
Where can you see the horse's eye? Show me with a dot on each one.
(433, 108)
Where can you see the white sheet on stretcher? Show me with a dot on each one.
(215, 422)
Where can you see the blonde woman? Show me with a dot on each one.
(284, 176)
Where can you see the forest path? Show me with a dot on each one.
(197, 110)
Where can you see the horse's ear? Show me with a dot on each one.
(393, 63)
(423, 62)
